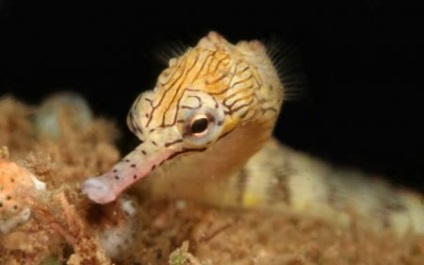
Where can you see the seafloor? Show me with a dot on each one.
(65, 228)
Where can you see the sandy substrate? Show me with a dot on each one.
(65, 228)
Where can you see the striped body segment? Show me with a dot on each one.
(206, 132)
(281, 179)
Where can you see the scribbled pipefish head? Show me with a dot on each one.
(215, 96)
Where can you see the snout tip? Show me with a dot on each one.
(98, 191)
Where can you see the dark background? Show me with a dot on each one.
(363, 106)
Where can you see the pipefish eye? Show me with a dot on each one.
(199, 125)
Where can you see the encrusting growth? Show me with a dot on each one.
(117, 226)
(206, 131)
(14, 181)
